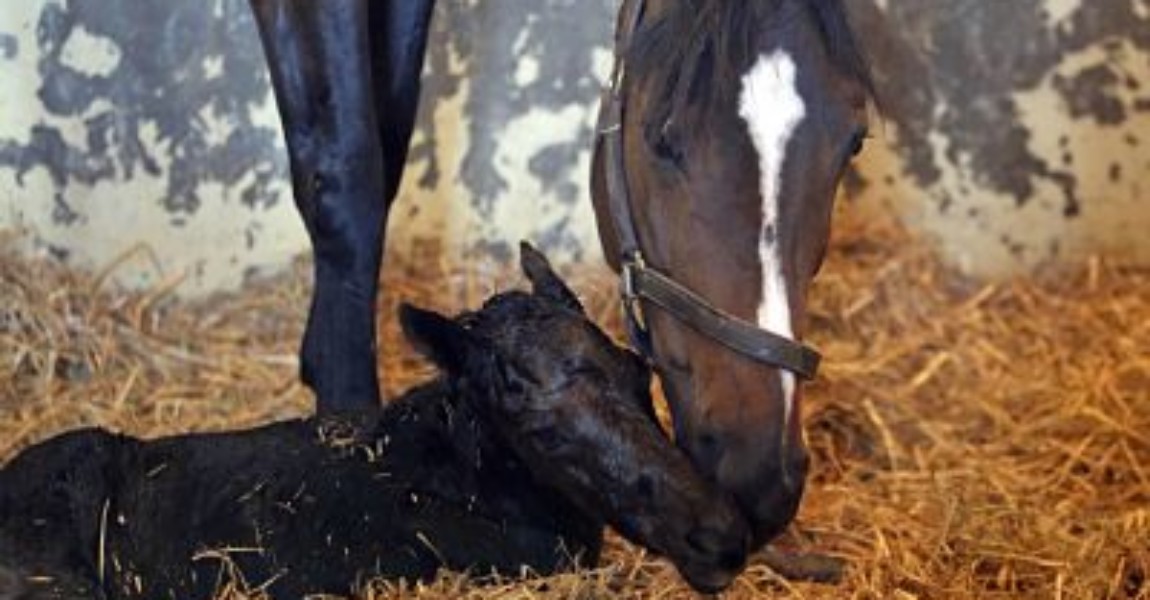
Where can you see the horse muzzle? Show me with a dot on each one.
(766, 478)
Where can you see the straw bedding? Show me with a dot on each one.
(970, 440)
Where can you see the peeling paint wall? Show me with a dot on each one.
(158, 133)
(502, 147)
(1015, 132)
(143, 132)
(1019, 131)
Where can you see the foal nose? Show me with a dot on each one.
(717, 545)
(725, 546)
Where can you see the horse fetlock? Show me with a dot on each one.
(339, 352)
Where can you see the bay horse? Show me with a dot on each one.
(722, 141)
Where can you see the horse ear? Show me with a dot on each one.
(443, 341)
(543, 279)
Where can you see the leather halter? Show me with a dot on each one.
(641, 282)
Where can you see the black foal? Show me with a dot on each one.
(302, 506)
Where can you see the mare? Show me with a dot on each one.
(538, 432)
(723, 138)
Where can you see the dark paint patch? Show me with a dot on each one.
(59, 253)
(63, 213)
(46, 149)
(981, 54)
(550, 166)
(496, 250)
(560, 236)
(1092, 93)
(9, 46)
(166, 85)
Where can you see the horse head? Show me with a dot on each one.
(733, 125)
(576, 409)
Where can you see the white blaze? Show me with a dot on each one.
(773, 109)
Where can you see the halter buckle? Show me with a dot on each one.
(631, 264)
(633, 318)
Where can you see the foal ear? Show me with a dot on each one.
(543, 279)
(443, 341)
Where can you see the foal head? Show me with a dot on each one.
(739, 120)
(576, 409)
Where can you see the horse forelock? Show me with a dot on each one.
(698, 50)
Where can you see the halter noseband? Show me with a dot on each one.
(640, 282)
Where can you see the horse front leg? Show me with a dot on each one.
(399, 30)
(319, 55)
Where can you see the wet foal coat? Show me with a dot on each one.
(300, 507)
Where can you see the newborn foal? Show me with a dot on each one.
(302, 506)
(540, 431)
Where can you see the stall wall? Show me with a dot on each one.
(1018, 132)
(143, 134)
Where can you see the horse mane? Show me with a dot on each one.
(700, 48)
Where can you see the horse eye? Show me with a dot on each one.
(665, 145)
(515, 381)
(666, 150)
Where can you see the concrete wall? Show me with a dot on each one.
(158, 133)
(143, 129)
(502, 149)
(1016, 132)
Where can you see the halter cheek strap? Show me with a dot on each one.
(641, 282)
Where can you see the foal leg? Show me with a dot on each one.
(319, 54)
